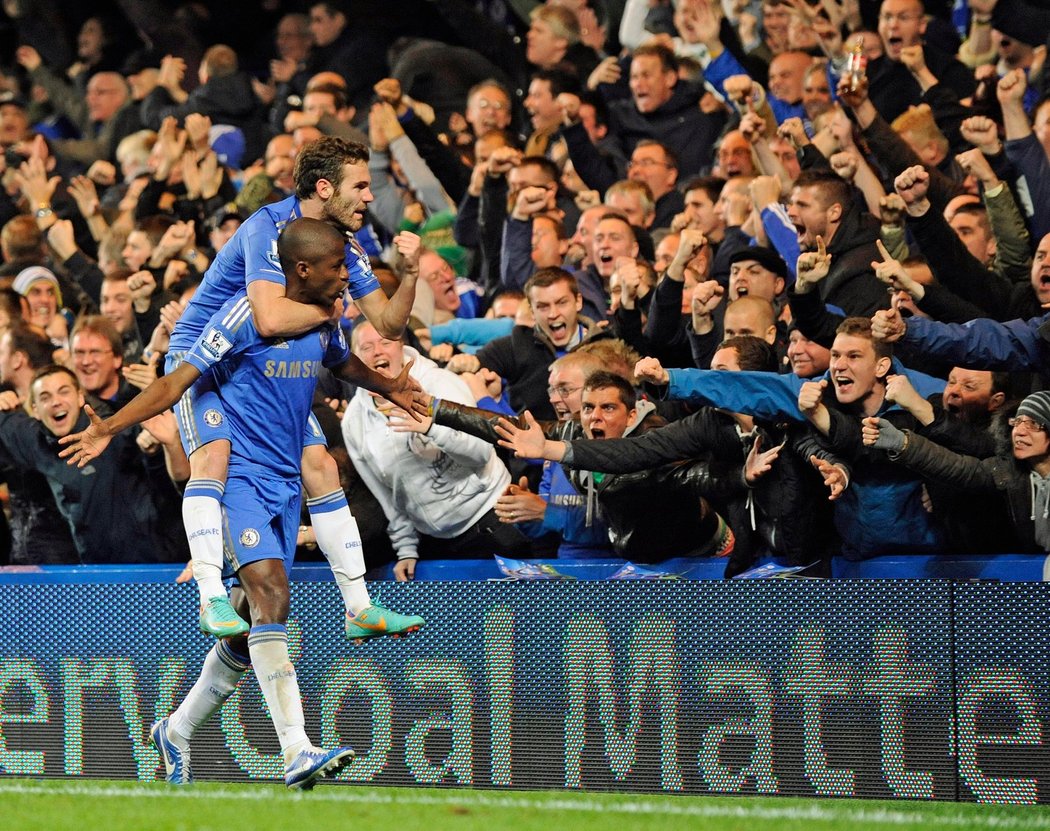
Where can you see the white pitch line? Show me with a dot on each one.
(668, 806)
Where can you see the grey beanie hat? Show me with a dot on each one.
(1037, 407)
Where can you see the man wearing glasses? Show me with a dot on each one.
(654, 164)
(893, 84)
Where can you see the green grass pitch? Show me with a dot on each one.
(90, 805)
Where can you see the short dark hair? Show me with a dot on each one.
(560, 81)
(833, 189)
(711, 185)
(669, 154)
(603, 379)
(99, 325)
(860, 327)
(752, 353)
(338, 94)
(546, 277)
(155, 226)
(324, 159)
(32, 343)
(657, 50)
(52, 369)
(544, 164)
(601, 109)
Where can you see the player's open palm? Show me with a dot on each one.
(84, 446)
(402, 392)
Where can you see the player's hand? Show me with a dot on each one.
(405, 570)
(401, 391)
(408, 247)
(84, 446)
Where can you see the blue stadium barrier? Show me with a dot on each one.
(1022, 568)
(919, 689)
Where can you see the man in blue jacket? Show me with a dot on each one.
(878, 510)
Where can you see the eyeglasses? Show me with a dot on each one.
(562, 391)
(485, 104)
(1029, 424)
(901, 18)
(646, 163)
(92, 353)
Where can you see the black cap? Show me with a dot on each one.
(227, 211)
(765, 257)
(13, 98)
(144, 58)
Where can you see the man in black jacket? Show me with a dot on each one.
(524, 356)
(902, 24)
(122, 508)
(822, 206)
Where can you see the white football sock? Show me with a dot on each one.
(222, 669)
(268, 644)
(202, 517)
(340, 541)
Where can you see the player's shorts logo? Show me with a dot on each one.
(213, 418)
(249, 538)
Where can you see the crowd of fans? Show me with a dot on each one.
(728, 279)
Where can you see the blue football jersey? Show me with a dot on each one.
(266, 384)
(250, 255)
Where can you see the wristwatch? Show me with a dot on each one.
(44, 209)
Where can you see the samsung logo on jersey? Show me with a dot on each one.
(292, 369)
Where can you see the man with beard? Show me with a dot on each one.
(332, 184)
(821, 206)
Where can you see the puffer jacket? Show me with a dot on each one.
(653, 514)
(784, 514)
(1001, 474)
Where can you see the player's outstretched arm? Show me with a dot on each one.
(403, 390)
(156, 398)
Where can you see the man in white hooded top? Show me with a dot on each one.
(429, 479)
